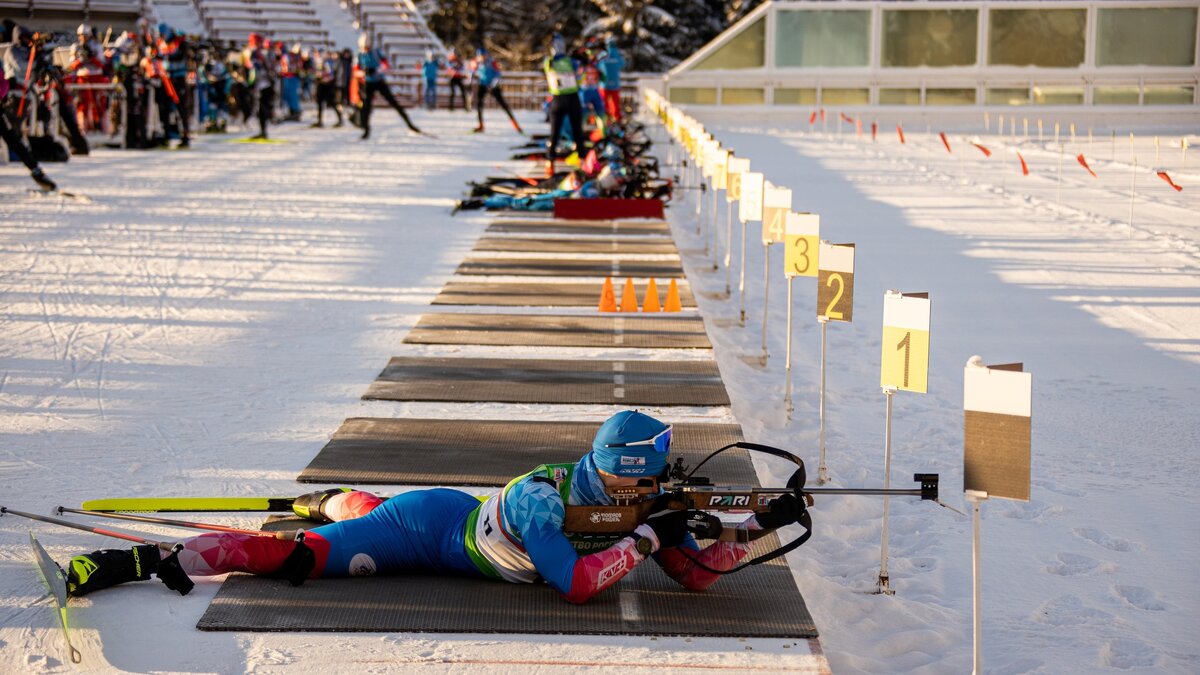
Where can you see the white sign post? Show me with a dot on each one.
(998, 413)
(750, 207)
(734, 168)
(904, 364)
(777, 202)
(835, 302)
(802, 233)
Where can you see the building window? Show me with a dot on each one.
(822, 39)
(1046, 38)
(1007, 96)
(701, 96)
(1169, 94)
(923, 37)
(1115, 95)
(744, 50)
(788, 96)
(900, 96)
(949, 97)
(1157, 36)
(742, 96)
(1058, 95)
(845, 96)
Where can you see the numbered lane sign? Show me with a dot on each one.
(750, 205)
(801, 235)
(734, 168)
(835, 282)
(998, 407)
(720, 175)
(905, 360)
(777, 202)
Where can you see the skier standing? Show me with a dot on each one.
(515, 535)
(324, 64)
(560, 72)
(429, 75)
(454, 72)
(260, 78)
(486, 72)
(610, 64)
(373, 65)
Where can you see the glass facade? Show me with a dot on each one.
(1047, 38)
(923, 37)
(700, 95)
(741, 96)
(746, 50)
(1169, 94)
(1115, 95)
(900, 96)
(845, 96)
(822, 39)
(790, 96)
(950, 96)
(1058, 95)
(1154, 36)
(1007, 96)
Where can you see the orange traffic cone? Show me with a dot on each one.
(608, 299)
(651, 303)
(629, 297)
(673, 303)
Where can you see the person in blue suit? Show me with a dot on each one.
(373, 64)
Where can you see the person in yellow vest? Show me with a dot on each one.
(561, 72)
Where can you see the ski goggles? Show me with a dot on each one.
(661, 441)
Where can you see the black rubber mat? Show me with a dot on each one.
(610, 245)
(610, 330)
(761, 601)
(570, 267)
(491, 452)
(545, 294)
(655, 383)
(554, 226)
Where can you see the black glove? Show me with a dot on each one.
(669, 525)
(781, 511)
(371, 72)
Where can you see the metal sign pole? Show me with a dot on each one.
(712, 241)
(766, 298)
(976, 497)
(742, 280)
(884, 586)
(787, 367)
(728, 245)
(822, 470)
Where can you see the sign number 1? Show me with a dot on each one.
(906, 345)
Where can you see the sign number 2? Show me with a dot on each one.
(834, 314)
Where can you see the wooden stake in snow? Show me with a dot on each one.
(1156, 159)
(1039, 130)
(1183, 150)
(1132, 193)
(987, 121)
(1058, 191)
(1025, 127)
(1114, 147)
(1056, 133)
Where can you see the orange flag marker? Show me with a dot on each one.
(1163, 175)
(944, 141)
(985, 151)
(1024, 166)
(1084, 164)
(900, 132)
(812, 119)
(629, 301)
(673, 303)
(608, 299)
(651, 302)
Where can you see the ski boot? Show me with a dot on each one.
(43, 180)
(477, 130)
(109, 567)
(312, 505)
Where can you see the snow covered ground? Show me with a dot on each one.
(206, 323)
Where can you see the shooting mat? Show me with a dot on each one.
(544, 294)
(555, 226)
(570, 267)
(492, 452)
(643, 331)
(607, 245)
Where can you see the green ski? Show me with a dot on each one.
(56, 582)
(192, 504)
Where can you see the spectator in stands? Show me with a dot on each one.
(124, 54)
(373, 66)
(12, 139)
(429, 74)
(260, 79)
(324, 65)
(456, 76)
(88, 66)
(610, 64)
(216, 83)
(486, 74)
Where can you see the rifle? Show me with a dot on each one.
(699, 496)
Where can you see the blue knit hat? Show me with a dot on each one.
(622, 445)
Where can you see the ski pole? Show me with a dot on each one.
(514, 174)
(116, 534)
(287, 535)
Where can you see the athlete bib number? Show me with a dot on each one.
(563, 81)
